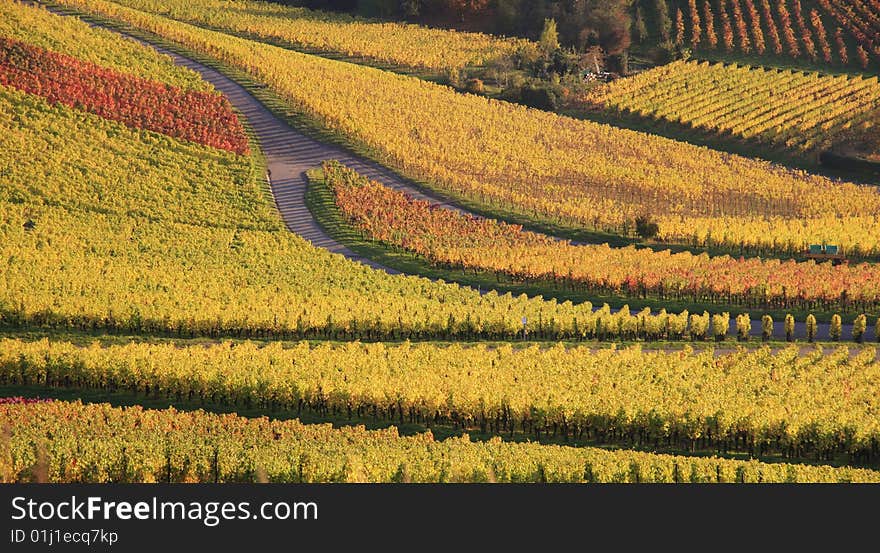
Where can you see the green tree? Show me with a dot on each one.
(663, 21)
(378, 8)
(410, 8)
(549, 41)
(464, 8)
(789, 327)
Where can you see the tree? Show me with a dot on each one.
(463, 8)
(410, 8)
(811, 328)
(539, 97)
(593, 59)
(508, 19)
(646, 228)
(613, 22)
(549, 40)
(379, 8)
(696, 31)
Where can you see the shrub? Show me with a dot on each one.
(476, 86)
(811, 327)
(743, 327)
(860, 325)
(646, 227)
(789, 327)
(766, 327)
(836, 329)
(720, 326)
(540, 97)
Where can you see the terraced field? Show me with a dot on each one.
(806, 112)
(397, 45)
(145, 264)
(534, 166)
(827, 33)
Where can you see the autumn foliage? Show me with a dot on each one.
(201, 117)
(450, 238)
(761, 26)
(101, 443)
(862, 19)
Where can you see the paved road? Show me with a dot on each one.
(289, 154)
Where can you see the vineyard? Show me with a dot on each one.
(148, 259)
(71, 269)
(66, 35)
(58, 157)
(829, 33)
(209, 253)
(541, 166)
(99, 443)
(862, 19)
(817, 405)
(196, 116)
(784, 108)
(405, 46)
(461, 241)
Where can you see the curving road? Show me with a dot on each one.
(289, 154)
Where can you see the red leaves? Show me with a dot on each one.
(462, 241)
(18, 400)
(861, 20)
(200, 117)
